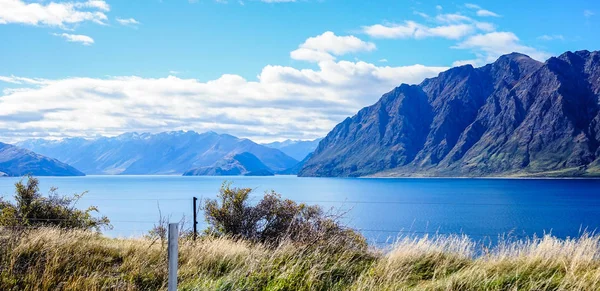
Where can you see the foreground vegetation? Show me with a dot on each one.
(275, 244)
(54, 259)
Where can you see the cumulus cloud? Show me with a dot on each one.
(99, 4)
(83, 39)
(481, 38)
(326, 46)
(284, 102)
(480, 11)
(447, 25)
(52, 14)
(488, 47)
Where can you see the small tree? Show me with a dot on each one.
(274, 219)
(32, 209)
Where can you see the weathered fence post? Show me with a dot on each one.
(173, 255)
(195, 201)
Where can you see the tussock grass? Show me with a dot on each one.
(52, 259)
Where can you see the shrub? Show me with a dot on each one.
(274, 219)
(32, 209)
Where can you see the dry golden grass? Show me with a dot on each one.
(51, 259)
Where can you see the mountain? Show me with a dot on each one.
(245, 164)
(296, 168)
(514, 117)
(162, 153)
(15, 161)
(297, 149)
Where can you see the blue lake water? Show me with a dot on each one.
(380, 208)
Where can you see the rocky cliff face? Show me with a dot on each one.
(516, 116)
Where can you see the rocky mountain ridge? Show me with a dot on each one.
(514, 117)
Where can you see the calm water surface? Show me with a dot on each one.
(381, 208)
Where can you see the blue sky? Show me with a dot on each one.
(266, 70)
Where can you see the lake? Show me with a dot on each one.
(380, 208)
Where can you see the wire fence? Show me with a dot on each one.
(133, 227)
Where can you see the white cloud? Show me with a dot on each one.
(383, 60)
(327, 45)
(411, 29)
(473, 62)
(83, 39)
(310, 55)
(485, 26)
(424, 15)
(449, 25)
(588, 13)
(480, 11)
(551, 37)
(486, 13)
(128, 21)
(439, 7)
(98, 4)
(452, 18)
(488, 47)
(481, 38)
(52, 14)
(22, 80)
(283, 103)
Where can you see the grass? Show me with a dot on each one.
(52, 259)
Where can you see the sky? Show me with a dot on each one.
(263, 69)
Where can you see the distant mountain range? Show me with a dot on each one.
(297, 149)
(244, 164)
(162, 153)
(15, 161)
(514, 117)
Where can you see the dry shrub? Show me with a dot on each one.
(32, 209)
(273, 220)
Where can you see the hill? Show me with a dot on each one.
(15, 161)
(245, 164)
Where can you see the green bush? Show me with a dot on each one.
(32, 209)
(273, 220)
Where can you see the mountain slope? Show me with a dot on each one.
(295, 169)
(245, 164)
(162, 153)
(516, 116)
(297, 149)
(15, 161)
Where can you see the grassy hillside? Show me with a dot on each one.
(52, 259)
